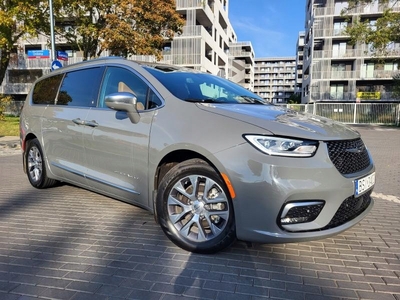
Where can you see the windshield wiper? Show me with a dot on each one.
(254, 100)
(206, 100)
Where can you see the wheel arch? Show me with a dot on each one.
(173, 158)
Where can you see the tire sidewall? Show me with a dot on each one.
(30, 145)
(223, 240)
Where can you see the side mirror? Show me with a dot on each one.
(124, 102)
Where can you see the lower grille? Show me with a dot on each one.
(350, 209)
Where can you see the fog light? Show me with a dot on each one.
(301, 212)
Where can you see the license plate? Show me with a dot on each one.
(364, 184)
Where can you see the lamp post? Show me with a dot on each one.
(53, 39)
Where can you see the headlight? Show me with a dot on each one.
(282, 146)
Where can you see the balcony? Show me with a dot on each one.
(366, 9)
(15, 88)
(204, 14)
(353, 53)
(356, 75)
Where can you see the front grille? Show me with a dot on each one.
(348, 156)
(350, 209)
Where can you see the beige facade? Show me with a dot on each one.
(274, 78)
(335, 70)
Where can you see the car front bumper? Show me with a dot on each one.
(265, 184)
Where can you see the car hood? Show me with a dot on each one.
(284, 122)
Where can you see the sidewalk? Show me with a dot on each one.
(9, 145)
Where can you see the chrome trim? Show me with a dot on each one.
(95, 179)
(295, 204)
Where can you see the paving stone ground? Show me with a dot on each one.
(69, 243)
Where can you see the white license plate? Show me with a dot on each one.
(364, 184)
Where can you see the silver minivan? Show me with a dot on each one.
(211, 160)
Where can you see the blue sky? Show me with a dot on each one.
(272, 26)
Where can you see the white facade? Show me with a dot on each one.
(275, 79)
(299, 62)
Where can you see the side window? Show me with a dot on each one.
(122, 80)
(45, 91)
(80, 88)
(154, 101)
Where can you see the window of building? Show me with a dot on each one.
(339, 6)
(391, 66)
(337, 92)
(339, 27)
(339, 49)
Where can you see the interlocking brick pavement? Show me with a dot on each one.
(69, 243)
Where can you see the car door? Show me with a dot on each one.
(63, 123)
(116, 149)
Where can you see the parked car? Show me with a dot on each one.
(210, 159)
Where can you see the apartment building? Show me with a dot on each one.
(335, 70)
(241, 64)
(208, 43)
(299, 62)
(274, 78)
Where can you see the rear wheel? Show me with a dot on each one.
(194, 208)
(36, 167)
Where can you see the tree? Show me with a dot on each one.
(122, 26)
(80, 22)
(141, 27)
(295, 98)
(17, 19)
(379, 35)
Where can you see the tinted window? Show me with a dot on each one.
(45, 91)
(154, 101)
(80, 88)
(203, 86)
(122, 80)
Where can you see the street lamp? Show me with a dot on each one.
(53, 39)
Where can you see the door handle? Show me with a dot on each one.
(92, 123)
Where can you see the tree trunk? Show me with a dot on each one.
(4, 60)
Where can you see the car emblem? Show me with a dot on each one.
(358, 149)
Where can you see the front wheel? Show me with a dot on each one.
(36, 167)
(194, 208)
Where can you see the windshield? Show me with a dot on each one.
(203, 87)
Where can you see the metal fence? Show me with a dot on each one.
(353, 113)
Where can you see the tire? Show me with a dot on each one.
(36, 167)
(194, 208)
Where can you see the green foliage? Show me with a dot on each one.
(379, 37)
(396, 86)
(91, 26)
(17, 18)
(295, 98)
(5, 101)
(9, 126)
(122, 26)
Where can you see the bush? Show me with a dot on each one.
(5, 102)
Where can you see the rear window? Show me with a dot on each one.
(45, 91)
